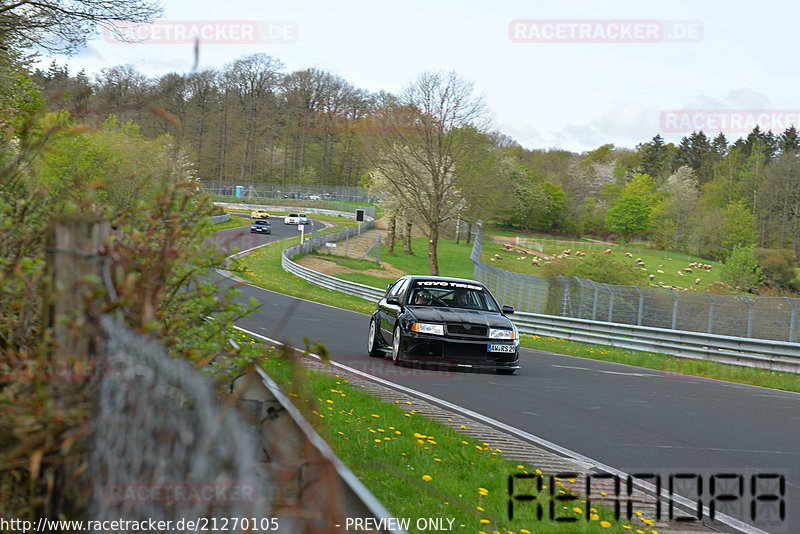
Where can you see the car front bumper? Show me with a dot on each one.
(458, 352)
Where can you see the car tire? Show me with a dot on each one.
(372, 342)
(396, 346)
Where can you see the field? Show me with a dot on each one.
(665, 266)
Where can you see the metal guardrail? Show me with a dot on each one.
(747, 352)
(216, 219)
(315, 481)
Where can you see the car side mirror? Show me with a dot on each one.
(508, 310)
(394, 300)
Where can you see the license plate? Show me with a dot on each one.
(501, 348)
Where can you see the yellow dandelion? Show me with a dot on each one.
(427, 478)
(485, 521)
(480, 509)
(605, 524)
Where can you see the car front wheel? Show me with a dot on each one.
(372, 342)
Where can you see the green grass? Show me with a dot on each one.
(415, 466)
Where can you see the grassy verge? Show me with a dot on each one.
(263, 268)
(419, 468)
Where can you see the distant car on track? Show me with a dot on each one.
(444, 321)
(260, 226)
(296, 218)
(259, 214)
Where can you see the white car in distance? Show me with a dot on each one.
(296, 218)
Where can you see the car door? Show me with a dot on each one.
(390, 312)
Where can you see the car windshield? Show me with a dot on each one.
(261, 223)
(451, 295)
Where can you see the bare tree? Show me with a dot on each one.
(254, 79)
(65, 25)
(423, 156)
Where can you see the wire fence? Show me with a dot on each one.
(255, 190)
(772, 318)
(165, 448)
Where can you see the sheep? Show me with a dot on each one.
(660, 271)
(652, 276)
(607, 251)
(628, 255)
(696, 280)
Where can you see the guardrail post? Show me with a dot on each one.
(710, 313)
(674, 309)
(794, 317)
(610, 304)
(749, 317)
(641, 306)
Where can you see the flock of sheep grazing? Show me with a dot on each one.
(540, 259)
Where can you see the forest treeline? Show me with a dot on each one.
(252, 121)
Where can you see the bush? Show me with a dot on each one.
(777, 266)
(741, 270)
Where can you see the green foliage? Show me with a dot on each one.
(738, 227)
(157, 260)
(777, 267)
(741, 269)
(630, 216)
(115, 165)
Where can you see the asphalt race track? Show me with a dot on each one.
(636, 420)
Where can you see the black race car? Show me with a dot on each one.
(446, 321)
(260, 226)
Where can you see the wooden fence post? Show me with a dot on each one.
(75, 271)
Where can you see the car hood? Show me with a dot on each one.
(450, 315)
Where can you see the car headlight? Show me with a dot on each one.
(496, 333)
(425, 328)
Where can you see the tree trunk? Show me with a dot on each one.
(392, 227)
(433, 241)
(458, 229)
(469, 232)
(407, 237)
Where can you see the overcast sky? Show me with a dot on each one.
(572, 74)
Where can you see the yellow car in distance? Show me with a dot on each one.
(259, 214)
